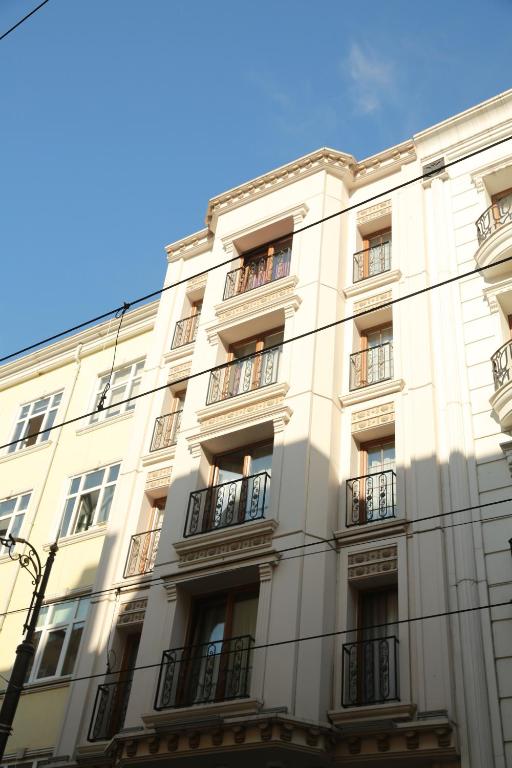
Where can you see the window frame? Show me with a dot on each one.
(24, 420)
(77, 495)
(43, 631)
(15, 513)
(134, 378)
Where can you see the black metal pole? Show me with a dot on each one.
(25, 650)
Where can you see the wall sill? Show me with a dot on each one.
(25, 451)
(377, 281)
(105, 423)
(372, 391)
(92, 533)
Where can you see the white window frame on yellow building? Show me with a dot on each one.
(33, 421)
(116, 391)
(76, 493)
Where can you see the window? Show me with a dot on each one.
(374, 362)
(125, 383)
(260, 266)
(35, 417)
(57, 639)
(12, 512)
(375, 255)
(89, 500)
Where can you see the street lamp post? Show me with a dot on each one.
(29, 560)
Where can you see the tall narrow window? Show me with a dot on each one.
(374, 361)
(12, 513)
(375, 255)
(35, 418)
(260, 266)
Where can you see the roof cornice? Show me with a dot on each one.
(78, 346)
(189, 246)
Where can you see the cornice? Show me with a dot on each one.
(191, 245)
(78, 346)
(384, 163)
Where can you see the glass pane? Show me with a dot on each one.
(274, 339)
(117, 394)
(16, 436)
(261, 459)
(121, 376)
(50, 421)
(66, 517)
(63, 613)
(72, 649)
(86, 508)
(37, 637)
(43, 613)
(230, 467)
(24, 501)
(113, 473)
(51, 653)
(7, 506)
(241, 350)
(24, 411)
(16, 526)
(135, 389)
(140, 365)
(106, 503)
(56, 399)
(210, 626)
(83, 608)
(75, 485)
(93, 479)
(244, 616)
(41, 405)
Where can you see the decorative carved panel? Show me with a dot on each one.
(374, 212)
(159, 478)
(132, 612)
(179, 372)
(373, 562)
(373, 417)
(372, 301)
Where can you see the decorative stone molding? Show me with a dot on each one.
(171, 590)
(189, 246)
(389, 387)
(159, 478)
(196, 283)
(377, 531)
(385, 162)
(277, 295)
(507, 452)
(377, 211)
(266, 571)
(373, 562)
(132, 612)
(156, 457)
(479, 176)
(370, 418)
(501, 403)
(227, 544)
(255, 407)
(495, 248)
(373, 302)
(179, 372)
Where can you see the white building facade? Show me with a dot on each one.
(285, 579)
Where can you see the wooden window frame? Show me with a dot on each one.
(366, 247)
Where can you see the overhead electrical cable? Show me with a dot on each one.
(23, 19)
(298, 337)
(130, 586)
(158, 292)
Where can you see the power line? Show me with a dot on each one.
(143, 584)
(298, 337)
(158, 292)
(21, 22)
(305, 638)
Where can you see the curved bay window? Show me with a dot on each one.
(215, 664)
(239, 490)
(260, 266)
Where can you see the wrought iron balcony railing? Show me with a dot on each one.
(185, 331)
(371, 365)
(370, 672)
(109, 710)
(231, 503)
(372, 261)
(501, 363)
(216, 671)
(258, 272)
(244, 375)
(496, 215)
(371, 498)
(165, 431)
(142, 553)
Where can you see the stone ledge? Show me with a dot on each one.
(389, 387)
(394, 710)
(158, 456)
(359, 534)
(213, 712)
(370, 283)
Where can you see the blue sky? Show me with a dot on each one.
(120, 118)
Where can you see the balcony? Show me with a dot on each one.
(142, 553)
(239, 376)
(372, 261)
(232, 503)
(494, 217)
(371, 498)
(165, 431)
(371, 366)
(202, 674)
(109, 710)
(370, 672)
(257, 272)
(501, 401)
(185, 331)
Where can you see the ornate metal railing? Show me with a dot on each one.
(216, 671)
(371, 498)
(165, 431)
(185, 331)
(109, 710)
(501, 363)
(258, 272)
(142, 553)
(231, 503)
(370, 672)
(372, 261)
(371, 365)
(496, 215)
(241, 376)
